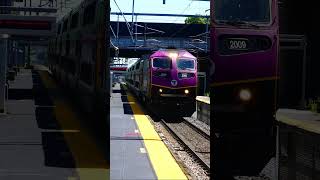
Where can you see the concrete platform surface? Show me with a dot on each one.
(41, 136)
(137, 152)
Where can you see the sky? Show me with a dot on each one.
(190, 7)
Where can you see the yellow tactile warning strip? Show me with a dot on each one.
(161, 159)
(89, 159)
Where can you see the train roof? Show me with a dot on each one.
(168, 52)
(165, 53)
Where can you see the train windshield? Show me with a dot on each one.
(163, 63)
(242, 11)
(185, 64)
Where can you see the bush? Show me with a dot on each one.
(314, 105)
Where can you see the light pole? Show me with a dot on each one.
(207, 29)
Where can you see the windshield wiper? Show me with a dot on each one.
(237, 23)
(250, 24)
(232, 23)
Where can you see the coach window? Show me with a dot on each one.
(74, 20)
(59, 28)
(72, 67)
(78, 48)
(65, 25)
(86, 73)
(60, 46)
(89, 14)
(68, 45)
(138, 65)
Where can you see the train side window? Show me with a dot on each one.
(60, 46)
(78, 48)
(72, 67)
(75, 20)
(59, 29)
(86, 73)
(65, 26)
(55, 47)
(89, 14)
(67, 45)
(138, 66)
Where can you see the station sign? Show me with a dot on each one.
(27, 25)
(19, 24)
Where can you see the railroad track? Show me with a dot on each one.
(178, 130)
(201, 155)
(204, 134)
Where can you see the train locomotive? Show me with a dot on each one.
(77, 59)
(244, 52)
(167, 76)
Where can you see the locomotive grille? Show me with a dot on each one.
(171, 91)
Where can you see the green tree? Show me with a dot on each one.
(195, 20)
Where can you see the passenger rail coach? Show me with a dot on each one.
(77, 58)
(166, 76)
(244, 52)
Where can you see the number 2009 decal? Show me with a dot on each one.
(236, 44)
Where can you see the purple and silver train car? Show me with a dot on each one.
(166, 76)
(244, 54)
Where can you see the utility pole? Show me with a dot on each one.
(145, 34)
(132, 24)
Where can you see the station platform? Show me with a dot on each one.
(137, 151)
(298, 144)
(42, 135)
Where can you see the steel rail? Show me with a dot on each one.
(186, 144)
(200, 131)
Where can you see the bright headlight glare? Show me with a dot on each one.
(160, 90)
(186, 91)
(245, 95)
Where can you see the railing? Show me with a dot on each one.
(183, 43)
(194, 42)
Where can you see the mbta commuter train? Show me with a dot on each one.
(77, 59)
(244, 55)
(167, 76)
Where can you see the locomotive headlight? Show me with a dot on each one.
(173, 55)
(245, 95)
(160, 90)
(186, 91)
